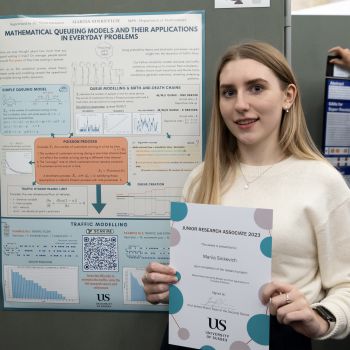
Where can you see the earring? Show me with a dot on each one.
(286, 109)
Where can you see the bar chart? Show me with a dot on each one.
(50, 284)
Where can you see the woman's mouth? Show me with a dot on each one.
(247, 121)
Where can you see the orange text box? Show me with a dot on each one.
(74, 161)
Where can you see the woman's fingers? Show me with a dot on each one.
(273, 289)
(278, 301)
(156, 277)
(161, 268)
(158, 298)
(156, 280)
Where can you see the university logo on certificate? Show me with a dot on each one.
(223, 258)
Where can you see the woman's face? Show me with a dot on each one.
(251, 102)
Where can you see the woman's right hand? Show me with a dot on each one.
(156, 282)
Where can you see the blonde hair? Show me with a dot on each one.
(221, 150)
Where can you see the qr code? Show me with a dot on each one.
(100, 253)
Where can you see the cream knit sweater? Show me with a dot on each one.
(311, 228)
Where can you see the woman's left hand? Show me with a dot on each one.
(291, 308)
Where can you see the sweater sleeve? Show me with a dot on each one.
(333, 242)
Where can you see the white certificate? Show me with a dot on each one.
(223, 257)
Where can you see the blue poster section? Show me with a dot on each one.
(35, 109)
(337, 125)
(80, 263)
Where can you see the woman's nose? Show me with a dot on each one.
(241, 102)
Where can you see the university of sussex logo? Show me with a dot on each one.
(103, 297)
(215, 323)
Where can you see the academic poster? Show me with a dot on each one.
(101, 122)
(337, 124)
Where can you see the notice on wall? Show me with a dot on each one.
(337, 125)
(101, 123)
(241, 3)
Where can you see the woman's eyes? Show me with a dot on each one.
(254, 89)
(228, 92)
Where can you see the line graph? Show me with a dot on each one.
(147, 123)
(17, 163)
(89, 123)
(117, 123)
(149, 203)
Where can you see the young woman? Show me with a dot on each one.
(259, 154)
